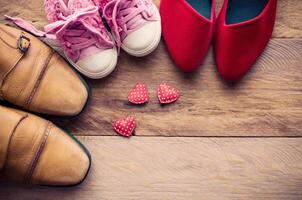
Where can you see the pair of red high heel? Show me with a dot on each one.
(241, 33)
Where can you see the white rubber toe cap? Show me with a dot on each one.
(98, 65)
(144, 40)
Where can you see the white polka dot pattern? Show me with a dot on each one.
(139, 94)
(167, 94)
(125, 127)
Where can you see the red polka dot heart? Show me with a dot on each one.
(125, 127)
(167, 94)
(140, 95)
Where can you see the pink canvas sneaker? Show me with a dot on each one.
(135, 24)
(78, 27)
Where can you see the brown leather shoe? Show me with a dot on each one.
(34, 77)
(34, 151)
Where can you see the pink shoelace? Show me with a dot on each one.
(75, 32)
(126, 16)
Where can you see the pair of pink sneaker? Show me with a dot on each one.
(91, 32)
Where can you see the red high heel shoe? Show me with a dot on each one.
(243, 30)
(188, 27)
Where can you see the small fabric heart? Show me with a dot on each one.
(125, 127)
(167, 94)
(139, 94)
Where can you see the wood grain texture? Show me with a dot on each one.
(182, 168)
(267, 102)
(288, 24)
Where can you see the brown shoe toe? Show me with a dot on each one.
(34, 77)
(69, 168)
(61, 90)
(33, 150)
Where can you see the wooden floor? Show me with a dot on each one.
(218, 141)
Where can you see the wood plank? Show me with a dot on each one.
(288, 24)
(182, 168)
(267, 102)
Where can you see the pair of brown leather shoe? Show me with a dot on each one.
(35, 78)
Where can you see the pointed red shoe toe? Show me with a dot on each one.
(188, 27)
(243, 29)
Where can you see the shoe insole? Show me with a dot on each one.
(203, 7)
(243, 10)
